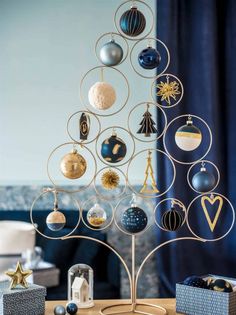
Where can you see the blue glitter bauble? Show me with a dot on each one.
(172, 220)
(195, 281)
(59, 310)
(132, 22)
(149, 58)
(134, 220)
(111, 54)
(71, 308)
(113, 149)
(203, 181)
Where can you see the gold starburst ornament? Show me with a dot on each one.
(18, 276)
(167, 90)
(110, 179)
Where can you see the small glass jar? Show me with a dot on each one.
(80, 285)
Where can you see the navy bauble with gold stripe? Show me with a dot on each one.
(172, 220)
(132, 22)
(220, 285)
(113, 149)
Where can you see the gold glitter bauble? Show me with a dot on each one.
(110, 179)
(96, 216)
(73, 165)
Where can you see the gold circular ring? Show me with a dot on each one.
(210, 135)
(73, 144)
(165, 119)
(85, 103)
(167, 52)
(136, 37)
(112, 34)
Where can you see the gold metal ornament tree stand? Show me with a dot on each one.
(174, 92)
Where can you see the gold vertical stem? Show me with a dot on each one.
(133, 276)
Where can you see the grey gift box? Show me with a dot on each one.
(21, 301)
(198, 301)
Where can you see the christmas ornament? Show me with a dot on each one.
(149, 58)
(71, 308)
(195, 281)
(18, 277)
(134, 219)
(172, 219)
(56, 220)
(111, 53)
(167, 90)
(96, 216)
(102, 95)
(220, 285)
(113, 149)
(149, 172)
(212, 200)
(84, 126)
(147, 124)
(59, 310)
(203, 181)
(188, 137)
(73, 165)
(132, 22)
(110, 179)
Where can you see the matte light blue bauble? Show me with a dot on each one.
(111, 54)
(134, 220)
(195, 281)
(203, 181)
(59, 310)
(71, 308)
(113, 149)
(132, 22)
(149, 58)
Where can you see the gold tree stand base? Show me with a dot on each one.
(135, 308)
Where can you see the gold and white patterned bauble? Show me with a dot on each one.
(73, 165)
(96, 216)
(102, 95)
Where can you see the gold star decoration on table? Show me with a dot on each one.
(19, 276)
(168, 90)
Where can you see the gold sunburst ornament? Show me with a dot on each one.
(110, 179)
(168, 90)
(18, 276)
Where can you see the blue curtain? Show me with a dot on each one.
(201, 36)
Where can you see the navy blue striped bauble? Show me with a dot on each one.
(172, 220)
(132, 22)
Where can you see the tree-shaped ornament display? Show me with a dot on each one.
(149, 176)
(147, 124)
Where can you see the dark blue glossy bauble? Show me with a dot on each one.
(149, 58)
(220, 285)
(172, 220)
(132, 22)
(134, 220)
(195, 281)
(59, 310)
(203, 181)
(113, 149)
(71, 308)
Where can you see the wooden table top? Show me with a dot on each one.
(168, 304)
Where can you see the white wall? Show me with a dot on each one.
(46, 47)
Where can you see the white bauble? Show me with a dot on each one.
(102, 95)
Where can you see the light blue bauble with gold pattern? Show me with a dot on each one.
(111, 54)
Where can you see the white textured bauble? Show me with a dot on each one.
(102, 95)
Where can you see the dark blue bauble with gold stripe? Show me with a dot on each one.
(132, 22)
(149, 58)
(134, 220)
(220, 285)
(172, 220)
(56, 220)
(113, 149)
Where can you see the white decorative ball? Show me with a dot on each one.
(102, 95)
